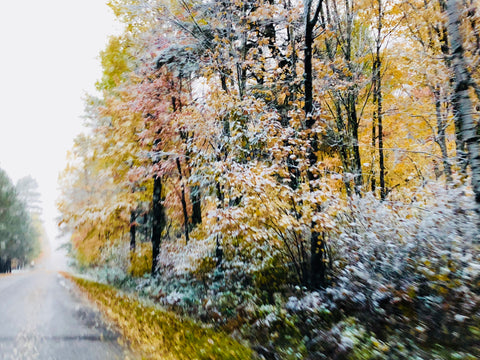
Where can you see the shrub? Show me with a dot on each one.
(417, 261)
(141, 260)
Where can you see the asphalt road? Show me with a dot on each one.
(44, 317)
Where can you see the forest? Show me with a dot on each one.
(302, 175)
(21, 229)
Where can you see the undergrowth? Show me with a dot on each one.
(403, 283)
(158, 334)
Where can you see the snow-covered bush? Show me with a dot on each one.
(417, 259)
(113, 264)
(111, 275)
(116, 255)
(275, 328)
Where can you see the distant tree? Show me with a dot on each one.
(27, 192)
(19, 238)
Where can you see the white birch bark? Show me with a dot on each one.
(462, 85)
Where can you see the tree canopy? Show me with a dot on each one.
(324, 145)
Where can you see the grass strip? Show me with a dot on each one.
(158, 334)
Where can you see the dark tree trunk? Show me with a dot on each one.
(308, 74)
(218, 246)
(146, 227)
(159, 221)
(196, 205)
(381, 156)
(343, 146)
(195, 197)
(378, 100)
(5, 266)
(133, 231)
(356, 161)
(218, 253)
(317, 268)
(184, 203)
(310, 23)
(373, 183)
(351, 106)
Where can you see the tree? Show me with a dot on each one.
(243, 125)
(27, 190)
(19, 238)
(464, 111)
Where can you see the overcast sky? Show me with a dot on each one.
(48, 61)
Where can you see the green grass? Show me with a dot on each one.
(158, 334)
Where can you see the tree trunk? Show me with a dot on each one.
(356, 163)
(462, 84)
(195, 197)
(460, 146)
(196, 205)
(317, 256)
(308, 68)
(440, 136)
(373, 183)
(308, 77)
(343, 146)
(377, 98)
(159, 221)
(461, 152)
(133, 231)
(381, 156)
(184, 202)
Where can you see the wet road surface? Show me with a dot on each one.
(44, 317)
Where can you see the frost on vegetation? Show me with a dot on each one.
(416, 260)
(311, 302)
(177, 258)
(405, 272)
(393, 241)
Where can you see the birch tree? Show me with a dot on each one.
(462, 83)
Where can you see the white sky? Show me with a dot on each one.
(48, 61)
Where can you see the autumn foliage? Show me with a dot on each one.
(289, 161)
